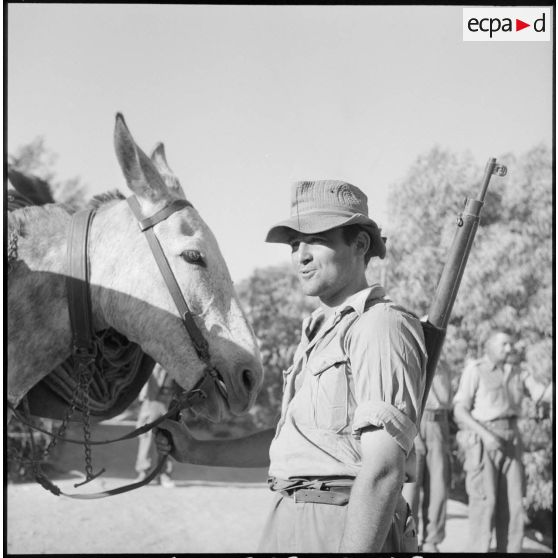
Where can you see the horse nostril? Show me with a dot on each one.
(248, 379)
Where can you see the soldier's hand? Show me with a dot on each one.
(174, 439)
(492, 442)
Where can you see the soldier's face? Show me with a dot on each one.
(499, 347)
(326, 265)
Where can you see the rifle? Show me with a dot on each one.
(435, 323)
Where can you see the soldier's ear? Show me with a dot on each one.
(362, 242)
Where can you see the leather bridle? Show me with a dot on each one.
(198, 340)
(146, 226)
(79, 296)
(83, 335)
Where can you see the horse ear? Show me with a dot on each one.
(141, 174)
(160, 161)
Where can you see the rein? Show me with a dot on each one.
(84, 345)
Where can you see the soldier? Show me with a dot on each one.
(155, 397)
(486, 407)
(350, 403)
(429, 493)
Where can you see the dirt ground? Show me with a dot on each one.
(211, 510)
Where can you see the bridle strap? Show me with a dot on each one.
(198, 392)
(51, 487)
(83, 336)
(146, 226)
(161, 215)
(77, 286)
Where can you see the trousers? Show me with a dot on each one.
(495, 486)
(299, 527)
(429, 494)
(149, 411)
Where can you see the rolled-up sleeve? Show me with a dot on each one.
(388, 363)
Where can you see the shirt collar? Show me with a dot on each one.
(491, 366)
(357, 302)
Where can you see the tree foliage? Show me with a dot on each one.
(508, 279)
(275, 306)
(37, 159)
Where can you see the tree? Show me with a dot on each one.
(275, 306)
(508, 279)
(37, 159)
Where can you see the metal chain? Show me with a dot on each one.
(65, 421)
(35, 460)
(81, 392)
(84, 383)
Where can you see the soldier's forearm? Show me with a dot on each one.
(374, 494)
(370, 513)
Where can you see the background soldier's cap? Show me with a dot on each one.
(321, 205)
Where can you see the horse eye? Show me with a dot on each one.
(193, 257)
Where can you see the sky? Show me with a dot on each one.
(249, 99)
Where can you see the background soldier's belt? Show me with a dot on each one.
(437, 415)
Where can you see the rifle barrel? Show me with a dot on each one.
(446, 292)
(488, 172)
(467, 225)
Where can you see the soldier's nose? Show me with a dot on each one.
(304, 254)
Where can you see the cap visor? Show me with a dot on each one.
(283, 231)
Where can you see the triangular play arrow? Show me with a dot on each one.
(519, 25)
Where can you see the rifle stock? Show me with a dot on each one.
(435, 324)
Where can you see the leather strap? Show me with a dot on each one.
(146, 225)
(51, 487)
(336, 497)
(83, 336)
(435, 415)
(77, 286)
(199, 391)
(161, 215)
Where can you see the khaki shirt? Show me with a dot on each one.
(365, 367)
(490, 392)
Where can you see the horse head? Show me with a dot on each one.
(132, 296)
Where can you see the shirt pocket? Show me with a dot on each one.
(330, 391)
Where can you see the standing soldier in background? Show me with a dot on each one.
(433, 463)
(155, 397)
(487, 406)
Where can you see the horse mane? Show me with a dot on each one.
(106, 197)
(32, 199)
